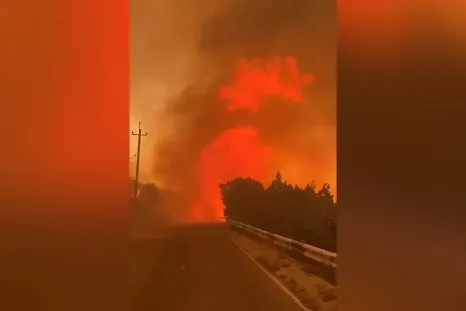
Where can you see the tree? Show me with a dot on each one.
(301, 214)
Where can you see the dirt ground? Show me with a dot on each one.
(312, 287)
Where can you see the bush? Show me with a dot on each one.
(149, 194)
(307, 215)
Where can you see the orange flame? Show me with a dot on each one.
(237, 152)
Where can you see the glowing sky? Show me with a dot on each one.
(181, 56)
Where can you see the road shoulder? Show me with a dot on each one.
(314, 292)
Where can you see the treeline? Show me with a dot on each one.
(304, 214)
(144, 212)
(148, 193)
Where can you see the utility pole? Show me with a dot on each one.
(136, 181)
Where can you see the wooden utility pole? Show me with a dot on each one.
(136, 181)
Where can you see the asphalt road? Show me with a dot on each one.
(198, 268)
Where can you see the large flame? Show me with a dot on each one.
(237, 152)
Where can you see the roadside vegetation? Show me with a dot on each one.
(304, 214)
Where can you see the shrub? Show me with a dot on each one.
(305, 214)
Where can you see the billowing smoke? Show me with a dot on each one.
(260, 97)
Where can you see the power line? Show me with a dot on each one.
(136, 181)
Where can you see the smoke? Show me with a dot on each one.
(202, 123)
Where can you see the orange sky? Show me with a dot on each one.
(180, 56)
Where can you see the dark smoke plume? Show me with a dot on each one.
(303, 135)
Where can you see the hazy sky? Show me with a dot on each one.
(164, 40)
(181, 50)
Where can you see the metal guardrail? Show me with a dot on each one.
(320, 255)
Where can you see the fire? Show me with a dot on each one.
(257, 79)
(237, 152)
(234, 153)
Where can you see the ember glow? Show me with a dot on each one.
(237, 152)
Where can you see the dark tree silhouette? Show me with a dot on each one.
(306, 215)
(149, 194)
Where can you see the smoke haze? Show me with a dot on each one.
(182, 55)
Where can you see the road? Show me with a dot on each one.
(199, 268)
